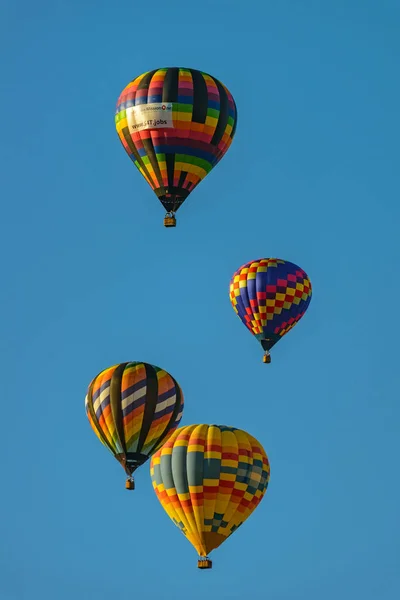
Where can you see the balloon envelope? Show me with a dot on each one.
(209, 479)
(175, 124)
(133, 408)
(270, 295)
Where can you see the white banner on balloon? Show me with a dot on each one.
(149, 116)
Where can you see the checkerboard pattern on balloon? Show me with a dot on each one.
(209, 479)
(270, 295)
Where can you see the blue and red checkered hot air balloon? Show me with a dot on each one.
(270, 296)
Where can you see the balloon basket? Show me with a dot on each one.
(169, 221)
(267, 358)
(129, 484)
(204, 563)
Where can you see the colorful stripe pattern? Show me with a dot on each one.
(133, 408)
(270, 296)
(209, 479)
(174, 160)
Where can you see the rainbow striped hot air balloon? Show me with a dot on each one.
(133, 408)
(175, 124)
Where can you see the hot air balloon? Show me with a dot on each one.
(270, 296)
(175, 124)
(209, 479)
(133, 408)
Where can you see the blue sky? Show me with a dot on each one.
(90, 277)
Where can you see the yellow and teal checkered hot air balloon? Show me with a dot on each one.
(133, 408)
(209, 479)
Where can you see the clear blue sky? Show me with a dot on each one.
(90, 277)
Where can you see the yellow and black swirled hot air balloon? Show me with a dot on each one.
(175, 124)
(133, 408)
(270, 296)
(209, 479)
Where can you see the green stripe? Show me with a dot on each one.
(188, 108)
(121, 115)
(213, 112)
(200, 162)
